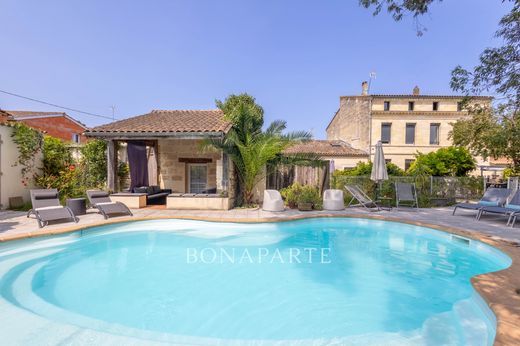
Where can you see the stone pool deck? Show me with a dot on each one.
(501, 290)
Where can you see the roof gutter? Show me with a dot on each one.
(149, 135)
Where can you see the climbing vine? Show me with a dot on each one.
(29, 142)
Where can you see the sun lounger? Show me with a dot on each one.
(46, 207)
(333, 200)
(102, 202)
(272, 201)
(511, 209)
(407, 193)
(358, 195)
(493, 197)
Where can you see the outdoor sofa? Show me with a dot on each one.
(154, 194)
(46, 207)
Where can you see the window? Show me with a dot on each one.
(434, 133)
(459, 106)
(410, 133)
(386, 132)
(197, 177)
(411, 105)
(408, 163)
(75, 138)
(436, 106)
(388, 161)
(387, 106)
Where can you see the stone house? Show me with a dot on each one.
(405, 124)
(55, 124)
(199, 179)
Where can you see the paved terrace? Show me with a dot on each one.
(16, 224)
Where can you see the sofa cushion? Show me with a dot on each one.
(141, 189)
(155, 189)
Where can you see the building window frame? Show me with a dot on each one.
(76, 138)
(386, 106)
(409, 137)
(408, 163)
(460, 107)
(411, 106)
(386, 127)
(435, 106)
(435, 140)
(197, 187)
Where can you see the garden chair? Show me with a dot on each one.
(101, 201)
(493, 197)
(358, 195)
(272, 201)
(511, 209)
(407, 193)
(333, 200)
(46, 207)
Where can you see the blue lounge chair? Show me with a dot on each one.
(511, 209)
(493, 197)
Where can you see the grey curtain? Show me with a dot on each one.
(138, 162)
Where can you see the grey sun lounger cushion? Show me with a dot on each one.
(102, 202)
(46, 207)
(493, 197)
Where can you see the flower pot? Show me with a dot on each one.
(304, 206)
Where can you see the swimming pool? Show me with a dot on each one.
(329, 281)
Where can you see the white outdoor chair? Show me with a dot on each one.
(272, 201)
(333, 200)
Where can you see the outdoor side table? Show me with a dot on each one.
(77, 205)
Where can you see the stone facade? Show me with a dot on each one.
(352, 122)
(359, 121)
(173, 173)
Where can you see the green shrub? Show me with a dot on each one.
(291, 194)
(450, 161)
(365, 168)
(297, 193)
(311, 194)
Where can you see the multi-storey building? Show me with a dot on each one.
(405, 124)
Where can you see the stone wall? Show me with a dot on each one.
(173, 173)
(352, 122)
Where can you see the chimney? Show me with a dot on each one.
(416, 90)
(364, 88)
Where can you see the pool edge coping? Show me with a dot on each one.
(498, 289)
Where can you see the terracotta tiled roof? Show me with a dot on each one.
(24, 115)
(164, 121)
(326, 148)
(4, 117)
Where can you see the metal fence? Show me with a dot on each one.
(431, 191)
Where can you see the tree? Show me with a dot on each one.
(94, 163)
(247, 145)
(492, 131)
(450, 161)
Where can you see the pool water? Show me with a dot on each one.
(316, 281)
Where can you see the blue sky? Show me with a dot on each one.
(296, 57)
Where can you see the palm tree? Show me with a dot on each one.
(251, 149)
